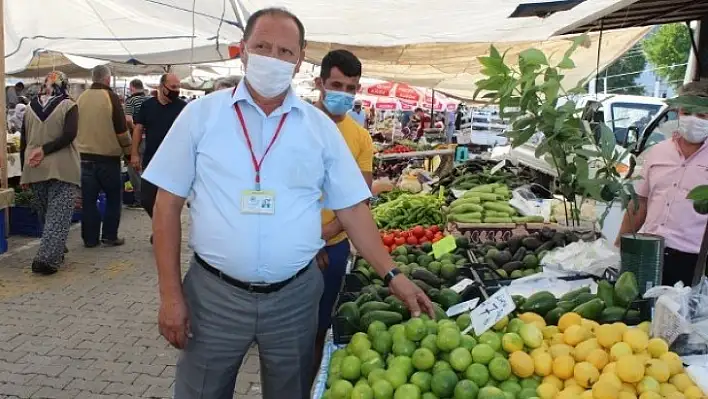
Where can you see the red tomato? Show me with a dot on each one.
(439, 235)
(418, 231)
(388, 239)
(422, 240)
(412, 241)
(429, 234)
(437, 238)
(405, 234)
(392, 248)
(434, 228)
(399, 241)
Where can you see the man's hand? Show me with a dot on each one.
(173, 321)
(322, 259)
(414, 298)
(35, 157)
(135, 161)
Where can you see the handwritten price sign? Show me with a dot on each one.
(491, 311)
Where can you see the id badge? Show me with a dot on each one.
(258, 202)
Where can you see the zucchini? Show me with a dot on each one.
(473, 217)
(499, 207)
(466, 208)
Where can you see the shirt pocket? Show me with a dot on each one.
(306, 174)
(693, 176)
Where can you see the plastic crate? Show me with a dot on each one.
(24, 221)
(3, 233)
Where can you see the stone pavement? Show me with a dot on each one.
(90, 330)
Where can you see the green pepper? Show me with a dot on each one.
(626, 289)
(606, 293)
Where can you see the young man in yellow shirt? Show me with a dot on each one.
(338, 82)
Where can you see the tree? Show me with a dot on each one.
(667, 50)
(622, 74)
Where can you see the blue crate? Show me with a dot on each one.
(3, 239)
(24, 221)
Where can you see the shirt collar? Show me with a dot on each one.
(674, 139)
(98, 85)
(240, 94)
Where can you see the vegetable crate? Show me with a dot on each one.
(24, 221)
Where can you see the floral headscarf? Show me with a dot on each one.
(56, 84)
(55, 90)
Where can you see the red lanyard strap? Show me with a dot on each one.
(256, 163)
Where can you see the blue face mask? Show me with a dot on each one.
(338, 102)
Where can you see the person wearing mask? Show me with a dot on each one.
(132, 109)
(51, 167)
(671, 169)
(156, 116)
(256, 161)
(358, 114)
(13, 94)
(102, 141)
(338, 82)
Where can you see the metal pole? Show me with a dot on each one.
(3, 122)
(240, 15)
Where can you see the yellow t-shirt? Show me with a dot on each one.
(362, 148)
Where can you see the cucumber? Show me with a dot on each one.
(387, 317)
(464, 201)
(465, 208)
(398, 306)
(470, 217)
(374, 305)
(486, 188)
(499, 207)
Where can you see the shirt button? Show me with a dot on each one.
(667, 204)
(675, 184)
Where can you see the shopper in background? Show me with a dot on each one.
(102, 141)
(51, 167)
(13, 94)
(156, 116)
(423, 120)
(17, 118)
(338, 82)
(257, 160)
(671, 169)
(358, 114)
(132, 108)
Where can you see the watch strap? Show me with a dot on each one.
(391, 274)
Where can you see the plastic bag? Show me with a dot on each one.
(593, 257)
(681, 318)
(529, 201)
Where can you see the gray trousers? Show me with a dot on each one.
(54, 201)
(225, 321)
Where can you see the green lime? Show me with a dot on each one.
(416, 329)
(443, 383)
(398, 331)
(382, 389)
(529, 383)
(499, 368)
(448, 339)
(396, 377)
(468, 342)
(478, 374)
(350, 368)
(426, 395)
(460, 359)
(422, 380)
(492, 339)
(423, 359)
(404, 363)
(362, 391)
(376, 327)
(447, 323)
(375, 375)
(407, 391)
(359, 344)
(430, 342)
(463, 321)
(527, 393)
(482, 353)
(341, 389)
(382, 343)
(431, 326)
(441, 365)
(371, 360)
(512, 387)
(466, 389)
(403, 347)
(491, 393)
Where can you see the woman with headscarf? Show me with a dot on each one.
(17, 118)
(51, 167)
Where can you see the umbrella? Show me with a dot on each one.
(409, 95)
(386, 103)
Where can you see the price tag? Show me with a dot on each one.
(444, 246)
(491, 311)
(462, 307)
(498, 166)
(464, 283)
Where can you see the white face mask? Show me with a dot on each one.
(268, 76)
(693, 129)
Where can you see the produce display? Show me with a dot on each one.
(478, 172)
(488, 203)
(398, 149)
(409, 210)
(520, 256)
(521, 357)
(414, 236)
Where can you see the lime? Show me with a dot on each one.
(514, 325)
(407, 391)
(339, 354)
(482, 353)
(509, 395)
(416, 329)
(382, 389)
(341, 389)
(423, 359)
(499, 368)
(444, 356)
(501, 324)
(431, 326)
(529, 383)
(463, 321)
(491, 393)
(448, 339)
(478, 374)
(492, 339)
(532, 336)
(404, 363)
(350, 369)
(466, 389)
(396, 377)
(444, 323)
(448, 271)
(370, 361)
(389, 359)
(359, 344)
(430, 342)
(512, 342)
(422, 380)
(511, 387)
(374, 328)
(443, 383)
(427, 395)
(375, 375)
(398, 331)
(468, 342)
(382, 342)
(403, 347)
(491, 383)
(441, 365)
(460, 359)
(527, 393)
(362, 391)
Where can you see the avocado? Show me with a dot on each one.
(511, 267)
(502, 257)
(426, 247)
(411, 258)
(583, 298)
(492, 252)
(540, 303)
(435, 267)
(402, 250)
(558, 239)
(530, 261)
(531, 243)
(362, 263)
(462, 242)
(501, 245)
(590, 310)
(544, 247)
(401, 258)
(424, 260)
(516, 274)
(519, 254)
(513, 244)
(448, 297)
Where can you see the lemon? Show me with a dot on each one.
(693, 392)
(553, 380)
(604, 390)
(512, 342)
(657, 347)
(637, 339)
(501, 324)
(665, 389)
(569, 383)
(650, 395)
(569, 319)
(621, 327)
(628, 388)
(583, 349)
(563, 367)
(673, 361)
(607, 335)
(575, 389)
(547, 391)
(549, 331)
(532, 318)
(591, 325)
(556, 339)
(675, 395)
(612, 380)
(585, 374)
(630, 369)
(611, 368)
(619, 350)
(626, 395)
(543, 363)
(658, 370)
(531, 335)
(575, 334)
(586, 395)
(648, 384)
(521, 364)
(681, 381)
(561, 350)
(643, 357)
(598, 357)
(645, 326)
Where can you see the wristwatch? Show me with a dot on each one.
(390, 275)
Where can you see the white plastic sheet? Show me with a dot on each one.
(584, 257)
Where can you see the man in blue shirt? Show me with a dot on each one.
(358, 114)
(255, 162)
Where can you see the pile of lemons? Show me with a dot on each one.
(580, 358)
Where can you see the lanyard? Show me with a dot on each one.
(256, 163)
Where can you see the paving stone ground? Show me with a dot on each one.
(90, 330)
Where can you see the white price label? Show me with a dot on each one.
(491, 311)
(464, 283)
(498, 166)
(462, 307)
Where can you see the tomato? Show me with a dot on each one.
(429, 234)
(434, 228)
(405, 234)
(437, 238)
(388, 239)
(439, 235)
(399, 241)
(392, 248)
(418, 231)
(412, 241)
(422, 240)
